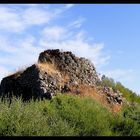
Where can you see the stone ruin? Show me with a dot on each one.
(55, 72)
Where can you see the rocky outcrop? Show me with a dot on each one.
(80, 70)
(55, 72)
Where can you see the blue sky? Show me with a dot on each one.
(107, 34)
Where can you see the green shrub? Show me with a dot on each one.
(86, 116)
(65, 116)
(127, 93)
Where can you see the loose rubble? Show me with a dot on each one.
(113, 97)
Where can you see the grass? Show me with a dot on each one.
(64, 115)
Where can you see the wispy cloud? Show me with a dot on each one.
(121, 74)
(17, 20)
(36, 16)
(53, 33)
(77, 23)
(10, 20)
(69, 6)
(63, 38)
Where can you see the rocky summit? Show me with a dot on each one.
(55, 72)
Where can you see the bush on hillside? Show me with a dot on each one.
(64, 115)
(127, 93)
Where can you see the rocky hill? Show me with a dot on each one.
(55, 72)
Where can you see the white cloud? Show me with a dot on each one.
(36, 16)
(23, 53)
(62, 38)
(120, 74)
(128, 77)
(13, 21)
(77, 23)
(69, 6)
(9, 20)
(54, 33)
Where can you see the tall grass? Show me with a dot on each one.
(64, 115)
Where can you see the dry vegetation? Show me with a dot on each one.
(49, 67)
(92, 92)
(18, 71)
(16, 74)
